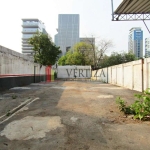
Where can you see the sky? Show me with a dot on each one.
(95, 20)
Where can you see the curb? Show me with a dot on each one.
(16, 109)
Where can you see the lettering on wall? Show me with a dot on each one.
(78, 72)
(99, 75)
(68, 72)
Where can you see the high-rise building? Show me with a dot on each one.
(135, 44)
(29, 28)
(147, 47)
(68, 31)
(88, 40)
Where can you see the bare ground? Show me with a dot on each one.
(71, 115)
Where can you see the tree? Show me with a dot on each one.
(102, 47)
(86, 53)
(99, 50)
(62, 60)
(84, 50)
(116, 59)
(46, 52)
(80, 54)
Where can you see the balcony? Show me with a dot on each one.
(27, 51)
(30, 24)
(30, 31)
(26, 45)
(27, 48)
(25, 37)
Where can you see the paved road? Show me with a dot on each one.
(71, 116)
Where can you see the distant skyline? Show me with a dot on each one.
(95, 20)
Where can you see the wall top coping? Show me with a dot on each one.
(74, 67)
(14, 53)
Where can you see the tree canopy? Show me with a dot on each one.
(116, 59)
(86, 53)
(46, 52)
(80, 54)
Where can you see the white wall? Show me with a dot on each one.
(100, 75)
(146, 70)
(132, 75)
(14, 63)
(119, 73)
(114, 75)
(128, 75)
(72, 71)
(137, 75)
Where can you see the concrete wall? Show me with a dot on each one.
(146, 70)
(74, 72)
(17, 69)
(100, 75)
(134, 75)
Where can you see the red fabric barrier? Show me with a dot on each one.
(48, 73)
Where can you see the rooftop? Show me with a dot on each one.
(30, 19)
(130, 10)
(134, 7)
(135, 28)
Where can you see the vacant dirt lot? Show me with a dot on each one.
(70, 115)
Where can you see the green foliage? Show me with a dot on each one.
(123, 106)
(8, 114)
(80, 54)
(55, 75)
(14, 96)
(142, 105)
(140, 108)
(46, 52)
(62, 60)
(116, 59)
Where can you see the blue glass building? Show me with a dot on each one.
(135, 44)
(68, 31)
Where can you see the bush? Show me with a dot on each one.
(140, 108)
(123, 106)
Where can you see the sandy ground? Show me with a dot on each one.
(71, 115)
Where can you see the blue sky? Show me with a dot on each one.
(95, 19)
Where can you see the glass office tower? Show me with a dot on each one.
(68, 31)
(136, 42)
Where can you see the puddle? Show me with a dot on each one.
(31, 127)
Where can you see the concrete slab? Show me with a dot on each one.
(31, 127)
